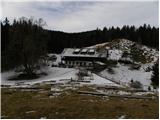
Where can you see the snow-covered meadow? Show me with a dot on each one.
(59, 75)
(124, 75)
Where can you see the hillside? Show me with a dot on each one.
(123, 48)
(128, 61)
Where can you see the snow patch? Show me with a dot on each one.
(123, 74)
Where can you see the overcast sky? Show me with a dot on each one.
(72, 16)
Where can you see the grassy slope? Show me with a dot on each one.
(15, 104)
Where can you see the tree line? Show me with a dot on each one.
(145, 35)
(27, 38)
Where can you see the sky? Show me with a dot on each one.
(77, 16)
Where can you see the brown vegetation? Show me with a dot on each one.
(37, 104)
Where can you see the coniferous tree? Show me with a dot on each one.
(155, 75)
(27, 45)
(5, 33)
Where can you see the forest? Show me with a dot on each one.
(25, 34)
(145, 35)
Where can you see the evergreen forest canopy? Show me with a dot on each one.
(24, 35)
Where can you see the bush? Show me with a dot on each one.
(135, 84)
(135, 67)
(149, 88)
(148, 69)
(125, 61)
(110, 70)
(125, 54)
(111, 62)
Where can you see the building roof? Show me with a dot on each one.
(84, 50)
(91, 50)
(69, 52)
(77, 50)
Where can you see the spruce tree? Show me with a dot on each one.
(155, 75)
(27, 45)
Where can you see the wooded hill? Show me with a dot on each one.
(56, 40)
(30, 32)
(145, 34)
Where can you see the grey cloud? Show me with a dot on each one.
(82, 16)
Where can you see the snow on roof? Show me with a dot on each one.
(91, 50)
(69, 52)
(84, 50)
(76, 50)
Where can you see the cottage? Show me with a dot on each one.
(85, 57)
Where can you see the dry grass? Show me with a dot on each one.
(15, 104)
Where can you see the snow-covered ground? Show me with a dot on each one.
(97, 80)
(123, 74)
(114, 54)
(54, 74)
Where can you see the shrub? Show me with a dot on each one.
(135, 67)
(149, 88)
(111, 62)
(135, 84)
(110, 70)
(125, 61)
